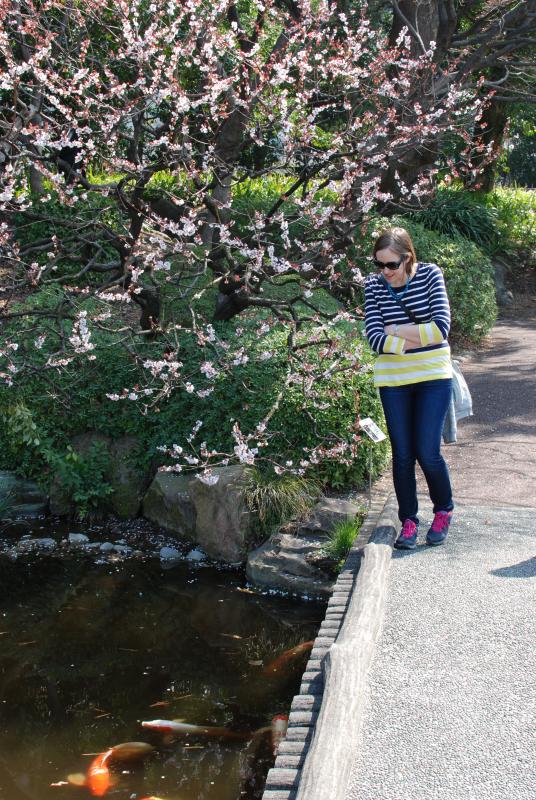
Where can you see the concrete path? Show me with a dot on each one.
(494, 460)
(451, 697)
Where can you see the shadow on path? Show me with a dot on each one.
(525, 569)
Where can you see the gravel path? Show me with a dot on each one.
(452, 696)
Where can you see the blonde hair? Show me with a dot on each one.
(399, 240)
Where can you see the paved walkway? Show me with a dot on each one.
(451, 700)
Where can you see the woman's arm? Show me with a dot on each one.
(408, 331)
(379, 339)
(437, 330)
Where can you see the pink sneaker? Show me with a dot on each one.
(439, 528)
(407, 538)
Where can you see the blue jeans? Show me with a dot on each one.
(415, 415)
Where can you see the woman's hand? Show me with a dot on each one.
(407, 331)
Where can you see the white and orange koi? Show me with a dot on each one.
(279, 729)
(180, 728)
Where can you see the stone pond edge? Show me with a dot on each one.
(283, 780)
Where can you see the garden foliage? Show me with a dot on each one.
(188, 195)
(42, 417)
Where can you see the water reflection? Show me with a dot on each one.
(88, 651)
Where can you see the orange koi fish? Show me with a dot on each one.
(279, 730)
(98, 779)
(281, 662)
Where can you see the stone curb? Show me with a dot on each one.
(282, 782)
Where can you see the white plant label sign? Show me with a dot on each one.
(372, 430)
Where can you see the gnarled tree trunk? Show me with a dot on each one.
(426, 21)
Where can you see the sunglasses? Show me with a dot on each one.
(392, 265)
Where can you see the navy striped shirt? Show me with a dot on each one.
(426, 296)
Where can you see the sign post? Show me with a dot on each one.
(375, 435)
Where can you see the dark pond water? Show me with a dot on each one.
(90, 650)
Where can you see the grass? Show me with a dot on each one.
(278, 500)
(342, 537)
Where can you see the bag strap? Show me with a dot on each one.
(411, 314)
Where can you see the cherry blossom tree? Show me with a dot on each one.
(140, 137)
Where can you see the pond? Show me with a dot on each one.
(90, 649)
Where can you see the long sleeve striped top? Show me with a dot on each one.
(427, 298)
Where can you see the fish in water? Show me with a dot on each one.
(130, 751)
(98, 779)
(178, 727)
(279, 729)
(281, 662)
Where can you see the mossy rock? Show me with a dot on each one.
(168, 503)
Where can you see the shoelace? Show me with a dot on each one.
(441, 519)
(408, 529)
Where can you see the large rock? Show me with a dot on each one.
(222, 518)
(503, 295)
(330, 512)
(128, 481)
(168, 504)
(286, 562)
(21, 498)
(60, 501)
(294, 562)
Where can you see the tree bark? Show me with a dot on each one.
(488, 139)
(426, 21)
(36, 182)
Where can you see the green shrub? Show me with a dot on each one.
(301, 423)
(499, 222)
(469, 279)
(37, 453)
(82, 477)
(515, 211)
(78, 403)
(455, 212)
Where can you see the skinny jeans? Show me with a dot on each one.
(415, 415)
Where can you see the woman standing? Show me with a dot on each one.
(407, 321)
